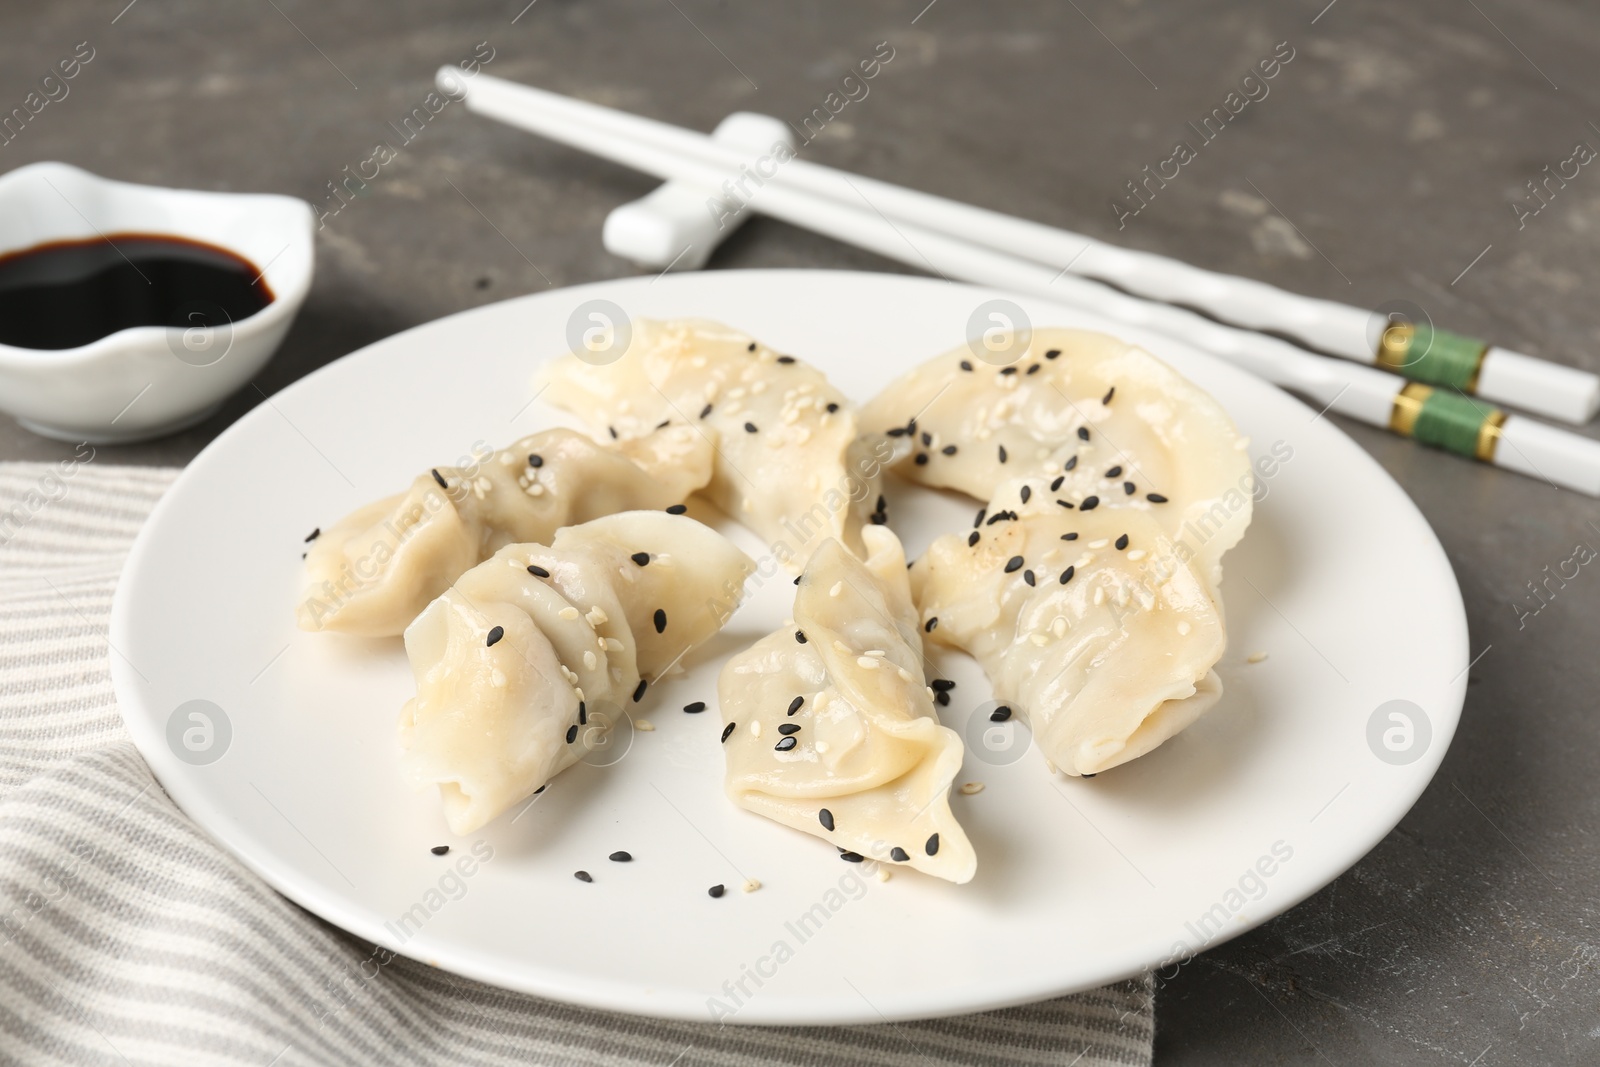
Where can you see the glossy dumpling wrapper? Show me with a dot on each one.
(791, 463)
(526, 662)
(1089, 625)
(865, 766)
(372, 572)
(1099, 422)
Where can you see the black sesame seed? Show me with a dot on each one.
(932, 847)
(583, 714)
(583, 876)
(941, 685)
(495, 634)
(727, 731)
(927, 438)
(898, 854)
(1128, 488)
(832, 408)
(825, 817)
(979, 520)
(1000, 714)
(1008, 370)
(439, 478)
(696, 708)
(1114, 472)
(313, 535)
(1027, 576)
(1053, 353)
(785, 359)
(800, 636)
(850, 857)
(948, 450)
(942, 699)
(1071, 463)
(537, 571)
(541, 789)
(1066, 575)
(1034, 369)
(1069, 537)
(1056, 485)
(1083, 433)
(535, 460)
(660, 619)
(972, 538)
(705, 411)
(641, 558)
(613, 430)
(663, 424)
(677, 509)
(1027, 491)
(785, 745)
(1155, 498)
(620, 857)
(717, 890)
(922, 459)
(1089, 503)
(1086, 776)
(965, 365)
(882, 503)
(1013, 564)
(931, 625)
(638, 694)
(750, 427)
(896, 431)
(1064, 503)
(1122, 542)
(1002, 453)
(752, 347)
(796, 704)
(440, 850)
(789, 728)
(797, 579)
(572, 733)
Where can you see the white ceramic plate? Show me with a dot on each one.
(1269, 797)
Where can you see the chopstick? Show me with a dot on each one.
(1450, 420)
(1416, 350)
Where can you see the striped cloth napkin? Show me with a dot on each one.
(128, 937)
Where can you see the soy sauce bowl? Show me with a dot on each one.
(147, 381)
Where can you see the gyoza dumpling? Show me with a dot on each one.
(790, 462)
(1100, 422)
(375, 569)
(829, 725)
(528, 660)
(1090, 625)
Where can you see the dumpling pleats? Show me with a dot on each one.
(836, 735)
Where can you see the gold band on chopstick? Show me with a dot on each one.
(1445, 420)
(1437, 357)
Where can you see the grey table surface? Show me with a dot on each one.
(1382, 164)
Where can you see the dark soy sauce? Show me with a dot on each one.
(70, 293)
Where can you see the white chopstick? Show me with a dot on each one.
(1338, 329)
(1364, 393)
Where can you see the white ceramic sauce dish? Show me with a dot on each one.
(146, 381)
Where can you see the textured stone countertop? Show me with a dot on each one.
(1383, 162)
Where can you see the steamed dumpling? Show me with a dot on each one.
(374, 570)
(1090, 625)
(528, 660)
(790, 463)
(829, 725)
(1100, 423)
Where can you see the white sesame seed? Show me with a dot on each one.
(1099, 595)
(883, 874)
(597, 617)
(612, 644)
(971, 788)
(866, 663)
(1255, 657)
(837, 587)
(878, 652)
(644, 726)
(1100, 543)
(755, 727)
(535, 489)
(568, 613)
(905, 675)
(497, 679)
(1136, 555)
(1039, 639)
(590, 661)
(1183, 628)
(821, 747)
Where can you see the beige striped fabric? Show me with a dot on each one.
(128, 937)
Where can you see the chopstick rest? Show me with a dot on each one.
(671, 228)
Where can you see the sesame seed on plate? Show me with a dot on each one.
(696, 708)
(583, 876)
(727, 731)
(1000, 714)
(620, 856)
(899, 855)
(717, 890)
(638, 694)
(440, 850)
